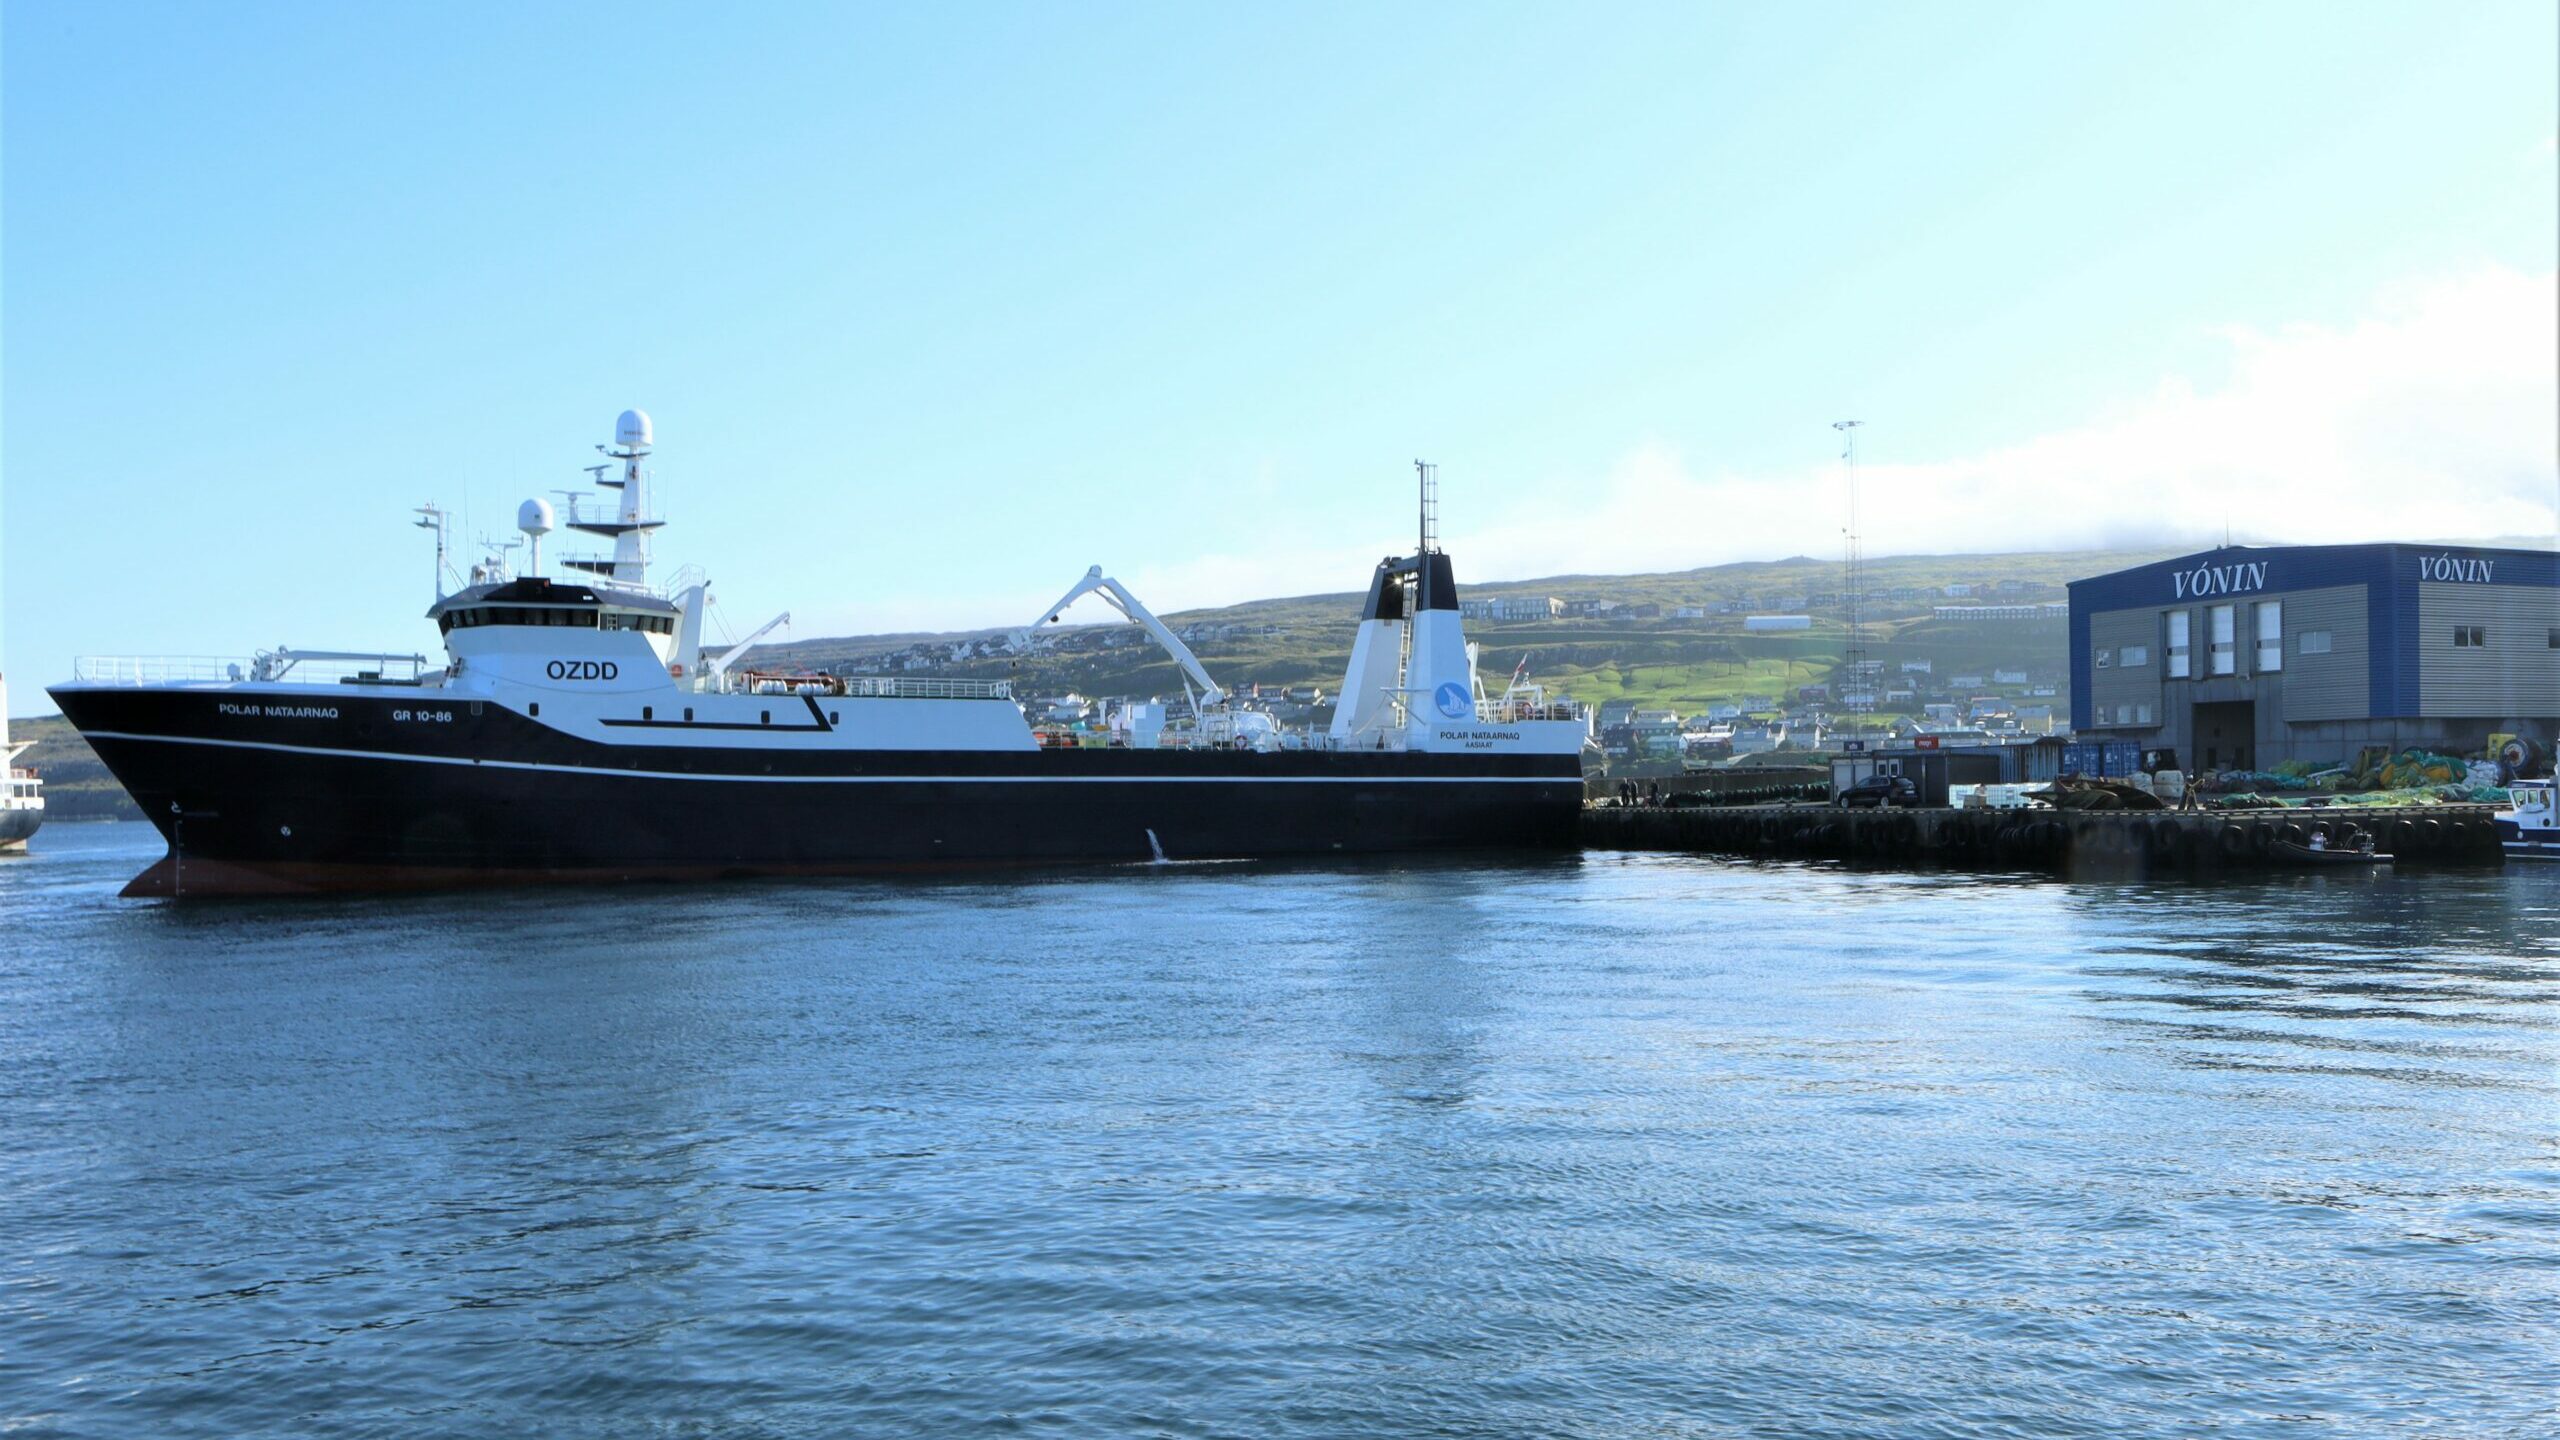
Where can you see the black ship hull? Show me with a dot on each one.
(262, 796)
(18, 826)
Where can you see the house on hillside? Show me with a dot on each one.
(1512, 607)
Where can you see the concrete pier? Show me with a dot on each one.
(2074, 841)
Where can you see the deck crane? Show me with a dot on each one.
(1210, 715)
(717, 669)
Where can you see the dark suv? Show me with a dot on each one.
(1877, 791)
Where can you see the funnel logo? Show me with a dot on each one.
(1455, 702)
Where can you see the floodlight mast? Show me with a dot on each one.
(431, 517)
(1858, 695)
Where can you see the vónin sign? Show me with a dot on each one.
(2235, 579)
(2462, 569)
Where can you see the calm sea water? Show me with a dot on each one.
(1601, 1146)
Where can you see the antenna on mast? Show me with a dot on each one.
(533, 517)
(1858, 696)
(1427, 480)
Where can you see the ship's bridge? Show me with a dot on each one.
(521, 628)
(538, 601)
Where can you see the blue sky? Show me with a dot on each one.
(936, 306)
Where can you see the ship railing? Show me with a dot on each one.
(160, 669)
(923, 687)
(1504, 712)
(308, 667)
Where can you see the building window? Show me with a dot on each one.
(2124, 714)
(2142, 714)
(2312, 642)
(2134, 655)
(2552, 640)
(2224, 623)
(2470, 637)
(2179, 666)
(2270, 635)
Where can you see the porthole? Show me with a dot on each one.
(534, 709)
(688, 712)
(768, 716)
(648, 712)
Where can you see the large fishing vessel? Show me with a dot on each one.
(21, 789)
(579, 729)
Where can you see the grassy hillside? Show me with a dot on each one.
(76, 786)
(1676, 663)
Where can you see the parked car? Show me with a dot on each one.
(1877, 791)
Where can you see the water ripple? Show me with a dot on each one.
(1624, 1145)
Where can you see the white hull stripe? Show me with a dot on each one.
(609, 770)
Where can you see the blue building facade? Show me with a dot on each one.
(2244, 657)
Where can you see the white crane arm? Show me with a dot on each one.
(1117, 596)
(719, 668)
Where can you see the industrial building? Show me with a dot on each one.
(2246, 657)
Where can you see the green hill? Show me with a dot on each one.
(76, 785)
(1681, 662)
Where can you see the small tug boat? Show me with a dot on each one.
(2529, 828)
(578, 729)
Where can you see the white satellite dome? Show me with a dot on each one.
(533, 517)
(631, 432)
